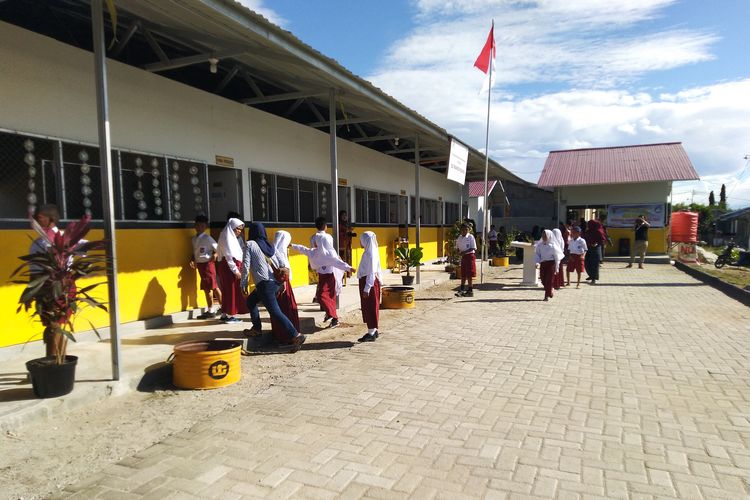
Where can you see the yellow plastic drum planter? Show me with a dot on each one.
(206, 364)
(500, 261)
(397, 297)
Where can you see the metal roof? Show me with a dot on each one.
(735, 214)
(617, 165)
(476, 188)
(257, 64)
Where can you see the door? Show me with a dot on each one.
(224, 192)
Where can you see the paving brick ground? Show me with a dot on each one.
(638, 387)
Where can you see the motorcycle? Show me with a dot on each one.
(726, 257)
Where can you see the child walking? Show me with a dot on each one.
(204, 255)
(548, 256)
(577, 252)
(285, 297)
(467, 245)
(230, 271)
(370, 278)
(330, 268)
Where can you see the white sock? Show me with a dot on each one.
(371, 331)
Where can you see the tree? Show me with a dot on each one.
(723, 198)
(711, 199)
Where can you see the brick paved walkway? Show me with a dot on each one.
(638, 387)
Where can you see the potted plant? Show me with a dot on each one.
(453, 256)
(503, 242)
(408, 257)
(51, 292)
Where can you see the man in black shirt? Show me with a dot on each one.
(641, 240)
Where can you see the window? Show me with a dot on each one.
(264, 192)
(82, 181)
(451, 213)
(393, 209)
(286, 198)
(142, 187)
(186, 189)
(306, 200)
(324, 201)
(360, 200)
(383, 202)
(29, 176)
(372, 207)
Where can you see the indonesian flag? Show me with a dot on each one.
(486, 60)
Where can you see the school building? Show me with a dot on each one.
(212, 108)
(617, 184)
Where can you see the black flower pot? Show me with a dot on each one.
(407, 280)
(50, 380)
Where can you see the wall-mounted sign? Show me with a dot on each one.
(624, 215)
(459, 156)
(343, 182)
(440, 198)
(403, 192)
(224, 161)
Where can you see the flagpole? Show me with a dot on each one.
(486, 162)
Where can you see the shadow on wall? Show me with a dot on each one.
(188, 285)
(154, 300)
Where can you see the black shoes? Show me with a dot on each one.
(465, 293)
(206, 315)
(327, 318)
(334, 323)
(297, 342)
(368, 337)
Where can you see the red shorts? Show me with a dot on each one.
(207, 270)
(575, 263)
(469, 265)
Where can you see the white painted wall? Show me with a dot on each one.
(614, 194)
(47, 87)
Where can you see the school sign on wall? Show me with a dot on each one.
(625, 215)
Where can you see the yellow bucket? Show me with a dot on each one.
(397, 297)
(206, 364)
(500, 261)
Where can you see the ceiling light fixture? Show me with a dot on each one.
(213, 68)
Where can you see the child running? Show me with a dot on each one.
(370, 278)
(467, 245)
(548, 256)
(204, 255)
(330, 268)
(577, 251)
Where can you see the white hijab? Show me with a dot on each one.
(326, 255)
(370, 262)
(280, 243)
(552, 241)
(229, 245)
(558, 238)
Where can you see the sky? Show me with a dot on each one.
(570, 74)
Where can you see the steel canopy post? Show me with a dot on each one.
(334, 171)
(417, 209)
(105, 158)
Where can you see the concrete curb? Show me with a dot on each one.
(732, 291)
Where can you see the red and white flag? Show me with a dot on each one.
(486, 60)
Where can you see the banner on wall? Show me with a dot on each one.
(625, 215)
(459, 156)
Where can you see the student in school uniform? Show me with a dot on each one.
(370, 278)
(330, 268)
(230, 253)
(467, 245)
(285, 297)
(204, 254)
(559, 280)
(548, 256)
(492, 238)
(577, 252)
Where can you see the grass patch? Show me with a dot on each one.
(737, 276)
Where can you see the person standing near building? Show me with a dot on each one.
(576, 253)
(492, 238)
(285, 296)
(345, 237)
(370, 278)
(595, 241)
(204, 255)
(230, 253)
(548, 256)
(641, 241)
(466, 244)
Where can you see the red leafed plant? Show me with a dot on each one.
(50, 277)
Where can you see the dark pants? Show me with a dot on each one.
(265, 293)
(592, 260)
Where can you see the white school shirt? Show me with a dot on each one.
(203, 247)
(545, 252)
(492, 236)
(577, 246)
(467, 242)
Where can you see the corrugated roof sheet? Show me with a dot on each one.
(617, 165)
(476, 188)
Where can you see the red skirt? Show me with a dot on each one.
(207, 271)
(468, 265)
(288, 305)
(547, 275)
(326, 294)
(559, 278)
(370, 304)
(232, 300)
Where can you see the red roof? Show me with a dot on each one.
(617, 165)
(476, 188)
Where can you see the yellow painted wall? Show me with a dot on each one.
(154, 277)
(657, 239)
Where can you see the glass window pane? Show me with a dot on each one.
(392, 209)
(360, 199)
(286, 199)
(264, 193)
(306, 201)
(28, 173)
(383, 208)
(324, 201)
(187, 189)
(82, 174)
(142, 187)
(372, 207)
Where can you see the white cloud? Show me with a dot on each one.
(589, 46)
(259, 7)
